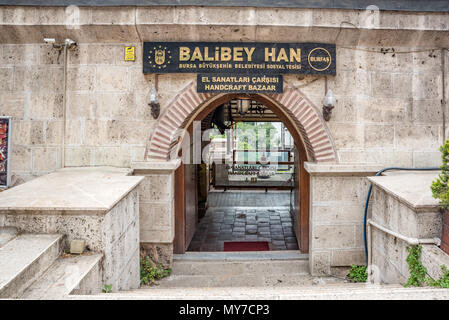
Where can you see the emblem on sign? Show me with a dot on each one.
(159, 57)
(319, 59)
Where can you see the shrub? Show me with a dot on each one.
(358, 273)
(149, 272)
(417, 271)
(440, 187)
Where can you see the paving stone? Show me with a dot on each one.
(265, 235)
(290, 239)
(288, 230)
(238, 235)
(225, 237)
(209, 247)
(251, 237)
(289, 234)
(194, 246)
(275, 247)
(255, 224)
(239, 224)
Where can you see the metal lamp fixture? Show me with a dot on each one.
(328, 104)
(153, 102)
(243, 106)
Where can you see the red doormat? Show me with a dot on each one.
(246, 246)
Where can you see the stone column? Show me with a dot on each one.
(337, 200)
(157, 210)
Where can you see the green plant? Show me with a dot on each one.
(358, 273)
(443, 282)
(440, 187)
(107, 288)
(149, 272)
(417, 271)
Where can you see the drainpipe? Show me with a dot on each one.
(64, 108)
(67, 45)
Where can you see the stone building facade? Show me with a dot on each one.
(390, 85)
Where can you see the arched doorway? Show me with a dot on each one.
(298, 114)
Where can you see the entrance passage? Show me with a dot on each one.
(243, 216)
(245, 195)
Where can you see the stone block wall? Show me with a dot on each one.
(115, 234)
(31, 91)
(388, 109)
(108, 118)
(336, 222)
(389, 253)
(157, 219)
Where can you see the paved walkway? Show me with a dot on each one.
(247, 198)
(273, 225)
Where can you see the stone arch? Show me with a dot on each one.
(309, 122)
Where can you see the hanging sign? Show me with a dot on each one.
(239, 58)
(240, 83)
(5, 151)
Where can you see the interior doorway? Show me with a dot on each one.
(250, 193)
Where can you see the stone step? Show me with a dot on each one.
(347, 291)
(241, 255)
(7, 234)
(240, 280)
(24, 259)
(240, 268)
(68, 275)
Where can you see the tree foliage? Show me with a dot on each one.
(440, 187)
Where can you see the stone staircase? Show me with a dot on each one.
(236, 272)
(31, 267)
(259, 276)
(346, 291)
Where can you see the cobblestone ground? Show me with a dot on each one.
(245, 224)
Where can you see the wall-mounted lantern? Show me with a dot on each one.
(153, 102)
(243, 105)
(328, 104)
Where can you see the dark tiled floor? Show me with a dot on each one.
(244, 224)
(249, 199)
